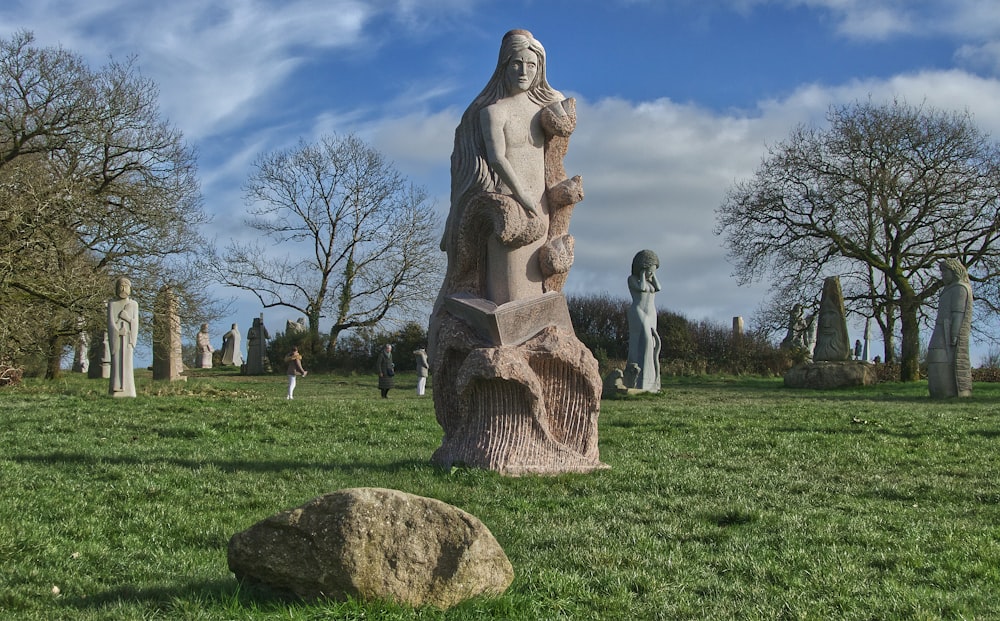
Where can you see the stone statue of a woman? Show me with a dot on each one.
(643, 339)
(949, 369)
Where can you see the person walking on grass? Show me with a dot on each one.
(386, 371)
(294, 363)
(422, 367)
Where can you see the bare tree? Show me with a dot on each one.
(879, 198)
(356, 241)
(95, 183)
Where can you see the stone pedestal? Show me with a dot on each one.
(826, 375)
(514, 403)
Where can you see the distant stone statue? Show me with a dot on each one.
(643, 339)
(949, 369)
(614, 384)
(257, 336)
(231, 353)
(203, 343)
(515, 390)
(833, 344)
(295, 327)
(168, 363)
(800, 331)
(630, 375)
(123, 330)
(81, 349)
(100, 356)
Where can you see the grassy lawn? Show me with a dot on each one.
(727, 499)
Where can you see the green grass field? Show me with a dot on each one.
(727, 499)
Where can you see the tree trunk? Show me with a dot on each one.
(53, 357)
(909, 363)
(315, 347)
(889, 334)
(331, 345)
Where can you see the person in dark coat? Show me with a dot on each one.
(386, 371)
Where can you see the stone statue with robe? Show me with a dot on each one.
(123, 331)
(231, 353)
(949, 369)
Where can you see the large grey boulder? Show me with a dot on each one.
(372, 543)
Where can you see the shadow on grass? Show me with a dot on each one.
(231, 466)
(226, 593)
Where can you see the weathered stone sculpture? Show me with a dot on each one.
(203, 343)
(515, 390)
(643, 339)
(167, 360)
(833, 344)
(949, 369)
(123, 330)
(231, 352)
(257, 362)
(372, 543)
(831, 365)
(100, 356)
(81, 349)
(296, 327)
(800, 335)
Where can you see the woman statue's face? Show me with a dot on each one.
(521, 71)
(947, 275)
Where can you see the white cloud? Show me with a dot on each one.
(210, 60)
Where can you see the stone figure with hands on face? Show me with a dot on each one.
(644, 340)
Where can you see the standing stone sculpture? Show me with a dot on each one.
(831, 365)
(123, 330)
(643, 339)
(203, 343)
(800, 334)
(100, 356)
(168, 363)
(833, 343)
(81, 350)
(515, 390)
(257, 362)
(949, 369)
(231, 352)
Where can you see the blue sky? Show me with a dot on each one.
(676, 98)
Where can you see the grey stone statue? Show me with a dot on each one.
(801, 331)
(515, 390)
(949, 369)
(168, 363)
(257, 336)
(123, 330)
(643, 339)
(833, 344)
(231, 352)
(203, 343)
